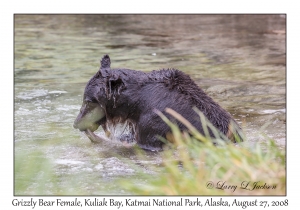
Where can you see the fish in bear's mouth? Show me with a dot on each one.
(116, 130)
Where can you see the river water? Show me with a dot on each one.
(239, 60)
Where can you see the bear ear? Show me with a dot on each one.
(105, 62)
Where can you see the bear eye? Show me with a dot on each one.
(91, 100)
(94, 101)
(90, 104)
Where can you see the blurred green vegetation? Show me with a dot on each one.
(195, 166)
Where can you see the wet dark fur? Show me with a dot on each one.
(133, 95)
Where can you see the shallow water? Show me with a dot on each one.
(239, 60)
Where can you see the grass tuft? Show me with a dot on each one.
(193, 165)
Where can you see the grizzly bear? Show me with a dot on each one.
(128, 100)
